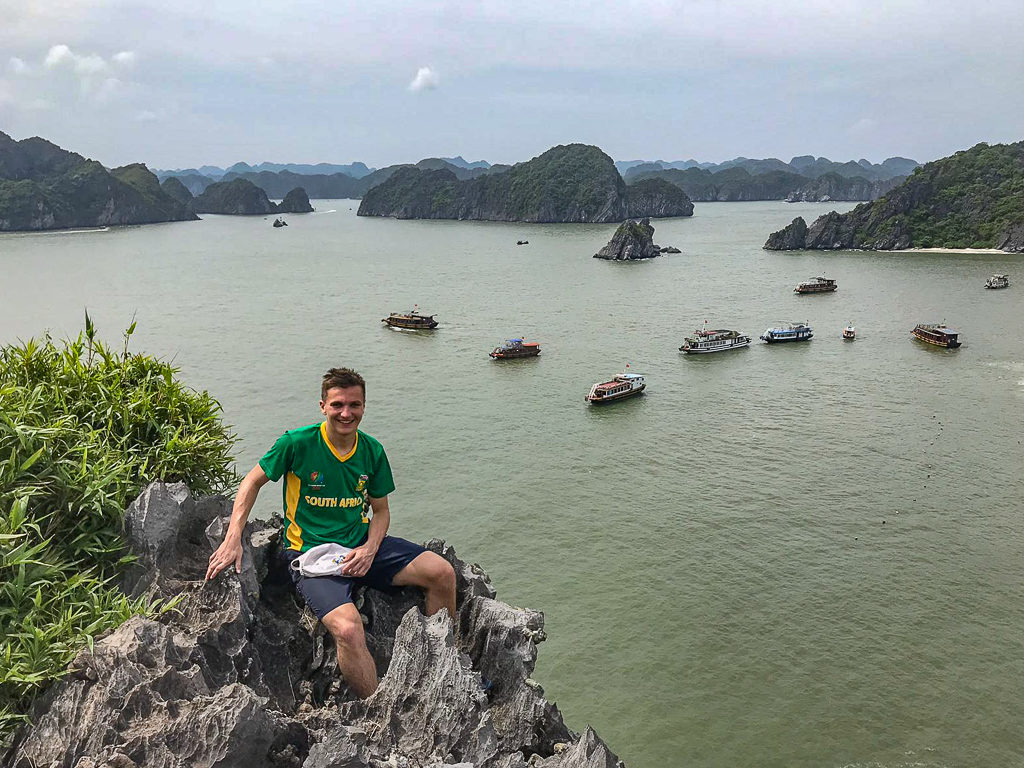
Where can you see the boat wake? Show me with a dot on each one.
(71, 231)
(333, 210)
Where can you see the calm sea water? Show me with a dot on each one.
(797, 555)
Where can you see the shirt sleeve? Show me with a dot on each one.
(381, 482)
(278, 459)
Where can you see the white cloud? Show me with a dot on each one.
(90, 65)
(426, 79)
(146, 116)
(57, 55)
(124, 58)
(85, 65)
(17, 66)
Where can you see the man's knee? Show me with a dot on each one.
(345, 626)
(439, 574)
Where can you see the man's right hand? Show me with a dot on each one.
(227, 553)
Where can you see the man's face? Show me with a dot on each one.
(344, 409)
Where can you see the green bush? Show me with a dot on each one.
(83, 428)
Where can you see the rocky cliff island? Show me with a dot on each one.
(240, 197)
(238, 675)
(45, 187)
(633, 240)
(570, 183)
(973, 199)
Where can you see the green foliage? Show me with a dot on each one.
(83, 428)
(966, 200)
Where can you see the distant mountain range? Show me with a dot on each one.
(741, 179)
(802, 165)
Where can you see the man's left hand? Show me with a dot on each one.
(358, 561)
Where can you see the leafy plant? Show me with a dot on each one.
(83, 428)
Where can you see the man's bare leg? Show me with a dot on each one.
(434, 575)
(354, 660)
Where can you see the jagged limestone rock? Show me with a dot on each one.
(632, 240)
(791, 238)
(296, 201)
(236, 674)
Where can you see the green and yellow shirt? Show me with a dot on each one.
(326, 494)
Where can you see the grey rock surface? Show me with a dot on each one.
(1012, 240)
(793, 237)
(237, 674)
(632, 240)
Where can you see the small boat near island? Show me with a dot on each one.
(998, 281)
(816, 285)
(280, 223)
(619, 388)
(411, 320)
(850, 333)
(938, 334)
(718, 340)
(516, 348)
(791, 332)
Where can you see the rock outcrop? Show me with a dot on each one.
(45, 187)
(236, 674)
(174, 187)
(571, 183)
(973, 199)
(792, 238)
(296, 201)
(632, 240)
(237, 197)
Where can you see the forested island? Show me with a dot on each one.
(240, 197)
(43, 186)
(568, 183)
(972, 199)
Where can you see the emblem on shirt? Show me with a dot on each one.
(362, 483)
(316, 480)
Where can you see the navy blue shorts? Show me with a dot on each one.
(325, 593)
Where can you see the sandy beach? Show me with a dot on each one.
(954, 250)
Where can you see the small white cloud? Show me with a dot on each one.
(863, 127)
(90, 65)
(426, 80)
(57, 55)
(17, 66)
(124, 58)
(108, 90)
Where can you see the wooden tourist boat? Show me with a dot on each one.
(940, 335)
(619, 388)
(411, 320)
(998, 281)
(514, 348)
(721, 340)
(791, 332)
(816, 285)
(850, 333)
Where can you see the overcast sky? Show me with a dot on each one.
(188, 82)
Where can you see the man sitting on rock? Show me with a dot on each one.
(337, 481)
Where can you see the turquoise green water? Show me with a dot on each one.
(797, 555)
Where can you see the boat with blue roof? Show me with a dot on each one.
(791, 332)
(515, 348)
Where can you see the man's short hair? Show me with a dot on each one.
(341, 377)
